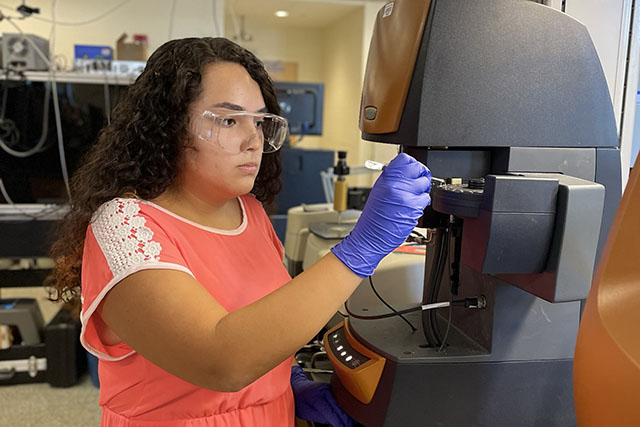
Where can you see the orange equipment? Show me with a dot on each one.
(607, 359)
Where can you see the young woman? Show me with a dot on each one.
(185, 299)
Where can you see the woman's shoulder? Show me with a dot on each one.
(116, 208)
(250, 198)
(126, 213)
(251, 203)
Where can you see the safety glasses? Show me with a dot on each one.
(236, 131)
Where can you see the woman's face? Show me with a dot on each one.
(210, 171)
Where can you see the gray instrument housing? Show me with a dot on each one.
(513, 92)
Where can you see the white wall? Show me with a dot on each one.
(604, 20)
(303, 46)
(334, 55)
(609, 24)
(190, 18)
(343, 83)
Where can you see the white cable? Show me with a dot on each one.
(236, 28)
(63, 160)
(52, 35)
(172, 15)
(7, 126)
(436, 305)
(107, 97)
(3, 190)
(5, 93)
(327, 185)
(214, 5)
(56, 108)
(43, 135)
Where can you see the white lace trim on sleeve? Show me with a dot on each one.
(124, 238)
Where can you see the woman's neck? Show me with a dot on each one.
(223, 214)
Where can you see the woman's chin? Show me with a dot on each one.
(241, 190)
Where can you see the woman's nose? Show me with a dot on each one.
(252, 141)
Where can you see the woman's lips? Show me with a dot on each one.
(249, 168)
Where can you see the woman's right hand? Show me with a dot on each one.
(396, 202)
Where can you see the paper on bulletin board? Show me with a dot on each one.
(282, 71)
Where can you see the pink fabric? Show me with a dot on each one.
(237, 267)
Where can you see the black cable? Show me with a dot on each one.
(435, 269)
(10, 133)
(432, 320)
(379, 316)
(426, 299)
(373, 288)
(446, 333)
(455, 280)
(419, 234)
(419, 238)
(454, 275)
(466, 303)
(454, 268)
(5, 92)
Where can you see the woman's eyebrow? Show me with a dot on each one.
(229, 106)
(236, 107)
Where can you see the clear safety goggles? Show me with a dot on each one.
(234, 131)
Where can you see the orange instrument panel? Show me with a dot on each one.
(358, 368)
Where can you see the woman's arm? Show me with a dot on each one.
(171, 320)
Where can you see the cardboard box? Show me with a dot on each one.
(132, 51)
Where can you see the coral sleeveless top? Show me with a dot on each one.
(237, 267)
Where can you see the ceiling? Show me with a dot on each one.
(302, 13)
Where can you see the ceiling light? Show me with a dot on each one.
(282, 13)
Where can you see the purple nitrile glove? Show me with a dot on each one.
(314, 401)
(396, 202)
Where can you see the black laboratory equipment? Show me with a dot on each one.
(28, 122)
(509, 98)
(31, 350)
(302, 105)
(33, 201)
(40, 353)
(34, 197)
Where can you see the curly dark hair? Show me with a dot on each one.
(140, 152)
